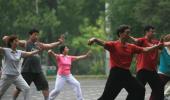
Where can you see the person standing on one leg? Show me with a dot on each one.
(147, 63)
(11, 69)
(121, 54)
(31, 67)
(64, 62)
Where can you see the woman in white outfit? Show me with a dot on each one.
(64, 62)
(11, 68)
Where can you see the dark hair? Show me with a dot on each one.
(148, 27)
(33, 31)
(62, 47)
(122, 28)
(10, 40)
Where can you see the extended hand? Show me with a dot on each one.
(91, 41)
(61, 39)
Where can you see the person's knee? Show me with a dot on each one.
(56, 91)
(45, 92)
(77, 84)
(27, 89)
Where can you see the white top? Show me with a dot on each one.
(11, 64)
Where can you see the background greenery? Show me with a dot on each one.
(79, 20)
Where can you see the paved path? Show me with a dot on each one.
(92, 89)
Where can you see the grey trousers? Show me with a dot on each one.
(18, 81)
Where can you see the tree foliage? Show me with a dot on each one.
(74, 18)
(80, 20)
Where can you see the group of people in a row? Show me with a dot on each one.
(146, 50)
(31, 70)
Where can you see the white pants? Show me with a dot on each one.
(60, 81)
(167, 91)
(18, 81)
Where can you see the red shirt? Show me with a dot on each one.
(147, 60)
(121, 55)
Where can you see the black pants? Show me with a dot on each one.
(119, 79)
(152, 78)
(39, 80)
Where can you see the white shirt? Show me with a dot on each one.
(11, 64)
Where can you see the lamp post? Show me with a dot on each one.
(36, 7)
(108, 31)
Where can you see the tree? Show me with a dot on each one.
(154, 12)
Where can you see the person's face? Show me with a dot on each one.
(34, 37)
(15, 43)
(151, 32)
(125, 34)
(66, 50)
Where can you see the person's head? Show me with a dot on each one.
(12, 41)
(149, 31)
(64, 49)
(33, 34)
(123, 31)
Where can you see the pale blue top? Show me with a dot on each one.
(164, 67)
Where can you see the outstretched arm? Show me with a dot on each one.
(54, 44)
(26, 54)
(83, 56)
(133, 39)
(166, 43)
(51, 53)
(147, 49)
(97, 41)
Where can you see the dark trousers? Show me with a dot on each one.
(119, 79)
(152, 78)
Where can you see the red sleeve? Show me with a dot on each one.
(136, 49)
(109, 45)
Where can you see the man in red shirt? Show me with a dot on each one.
(121, 54)
(147, 64)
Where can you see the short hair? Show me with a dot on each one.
(122, 28)
(33, 31)
(62, 47)
(148, 27)
(10, 40)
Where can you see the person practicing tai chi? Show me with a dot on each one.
(146, 63)
(11, 68)
(31, 67)
(64, 62)
(121, 54)
(164, 66)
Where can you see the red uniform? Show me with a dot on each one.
(147, 60)
(121, 55)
